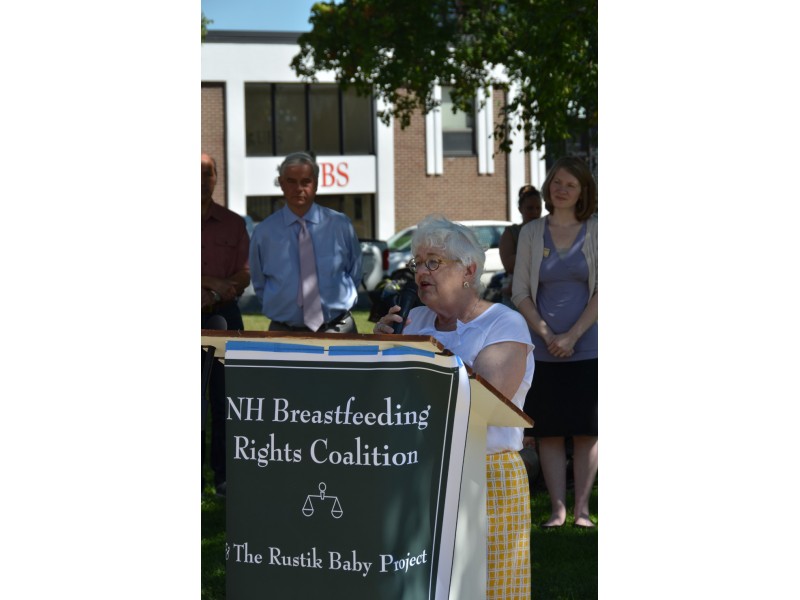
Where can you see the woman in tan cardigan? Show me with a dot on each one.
(555, 289)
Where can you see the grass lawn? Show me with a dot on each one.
(563, 561)
(253, 322)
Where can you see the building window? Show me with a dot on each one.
(358, 131)
(288, 117)
(324, 117)
(258, 119)
(458, 129)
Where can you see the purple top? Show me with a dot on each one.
(562, 295)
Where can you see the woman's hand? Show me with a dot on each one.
(561, 345)
(386, 323)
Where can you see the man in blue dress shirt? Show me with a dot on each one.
(275, 255)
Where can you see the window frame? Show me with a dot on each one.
(308, 100)
(448, 135)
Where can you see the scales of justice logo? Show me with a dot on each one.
(336, 507)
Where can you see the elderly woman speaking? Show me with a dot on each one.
(494, 341)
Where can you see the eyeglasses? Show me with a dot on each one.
(431, 264)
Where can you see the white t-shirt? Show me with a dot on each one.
(496, 324)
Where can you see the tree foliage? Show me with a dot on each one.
(400, 49)
(204, 23)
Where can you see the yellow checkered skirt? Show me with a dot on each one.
(508, 512)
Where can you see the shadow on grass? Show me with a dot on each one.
(212, 553)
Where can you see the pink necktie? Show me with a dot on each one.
(308, 293)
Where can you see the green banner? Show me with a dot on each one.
(338, 470)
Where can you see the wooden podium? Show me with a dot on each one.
(487, 407)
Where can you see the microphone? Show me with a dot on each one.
(407, 299)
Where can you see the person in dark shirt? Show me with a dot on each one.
(225, 273)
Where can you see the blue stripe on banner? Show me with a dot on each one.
(273, 347)
(352, 350)
(407, 350)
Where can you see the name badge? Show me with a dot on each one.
(546, 252)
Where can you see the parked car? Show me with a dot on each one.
(374, 262)
(487, 232)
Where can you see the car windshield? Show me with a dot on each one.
(488, 235)
(400, 242)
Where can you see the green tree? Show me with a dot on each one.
(204, 23)
(400, 49)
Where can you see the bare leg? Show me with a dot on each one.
(553, 460)
(584, 464)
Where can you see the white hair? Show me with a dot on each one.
(457, 242)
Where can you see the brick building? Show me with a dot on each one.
(255, 111)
